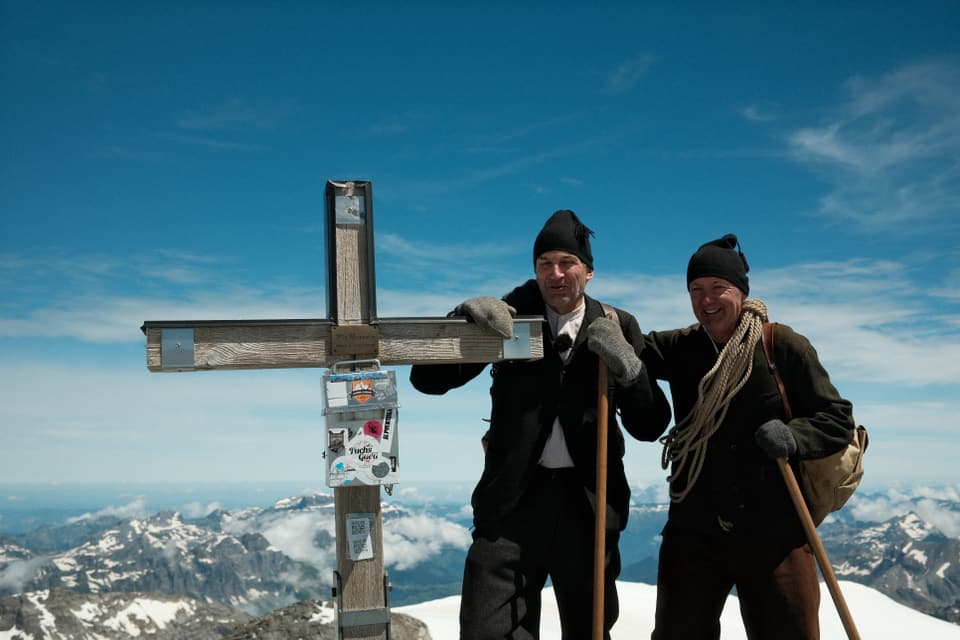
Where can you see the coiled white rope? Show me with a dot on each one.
(685, 445)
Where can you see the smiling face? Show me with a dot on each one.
(717, 304)
(562, 278)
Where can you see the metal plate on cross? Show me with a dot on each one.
(361, 413)
(354, 340)
(359, 391)
(350, 209)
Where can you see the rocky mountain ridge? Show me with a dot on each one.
(62, 614)
(905, 558)
(258, 560)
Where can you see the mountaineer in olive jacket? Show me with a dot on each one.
(732, 522)
(740, 487)
(534, 506)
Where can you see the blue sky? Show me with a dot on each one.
(165, 161)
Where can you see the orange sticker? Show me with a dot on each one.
(362, 391)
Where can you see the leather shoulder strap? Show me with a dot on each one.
(768, 352)
(610, 312)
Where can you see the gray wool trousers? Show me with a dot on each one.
(549, 535)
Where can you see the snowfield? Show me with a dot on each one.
(876, 616)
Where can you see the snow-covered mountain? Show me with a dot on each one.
(904, 557)
(255, 559)
(60, 614)
(165, 555)
(65, 615)
(260, 559)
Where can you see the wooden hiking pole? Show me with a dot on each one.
(818, 551)
(793, 488)
(600, 530)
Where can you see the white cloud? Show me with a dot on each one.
(628, 74)
(17, 574)
(134, 509)
(494, 142)
(757, 113)
(658, 493)
(950, 493)
(908, 336)
(926, 502)
(890, 150)
(395, 246)
(96, 423)
(197, 510)
(408, 541)
(55, 297)
(294, 534)
(889, 343)
(437, 277)
(237, 114)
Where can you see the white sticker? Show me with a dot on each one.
(358, 536)
(336, 394)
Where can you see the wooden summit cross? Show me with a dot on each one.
(352, 332)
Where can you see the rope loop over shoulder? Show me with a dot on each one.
(685, 445)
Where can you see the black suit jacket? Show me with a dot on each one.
(526, 396)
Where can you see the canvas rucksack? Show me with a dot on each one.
(826, 483)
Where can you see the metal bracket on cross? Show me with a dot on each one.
(361, 617)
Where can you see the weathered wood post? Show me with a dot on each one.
(351, 332)
(351, 293)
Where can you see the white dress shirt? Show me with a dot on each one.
(555, 453)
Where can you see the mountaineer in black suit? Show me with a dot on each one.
(534, 504)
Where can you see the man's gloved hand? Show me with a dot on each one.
(776, 439)
(605, 339)
(493, 315)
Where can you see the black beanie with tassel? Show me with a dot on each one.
(720, 258)
(563, 231)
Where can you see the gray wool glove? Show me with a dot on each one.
(605, 339)
(776, 439)
(493, 315)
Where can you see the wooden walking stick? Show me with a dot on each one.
(818, 551)
(600, 530)
(793, 488)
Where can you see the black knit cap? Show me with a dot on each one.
(720, 258)
(563, 231)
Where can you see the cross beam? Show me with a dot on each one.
(200, 345)
(352, 332)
